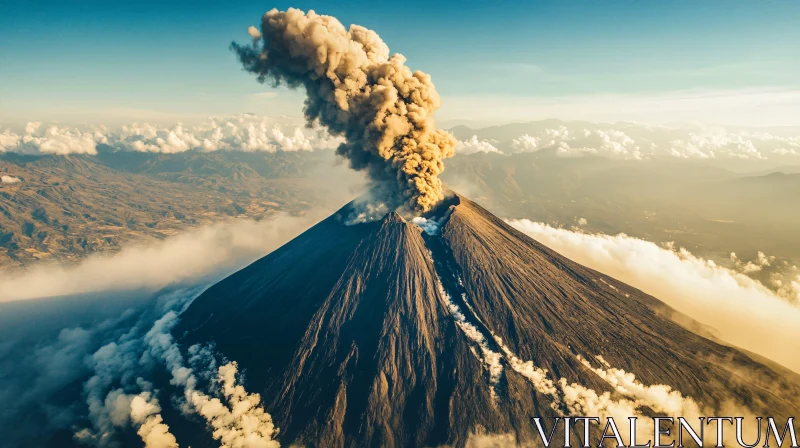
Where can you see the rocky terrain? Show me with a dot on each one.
(66, 207)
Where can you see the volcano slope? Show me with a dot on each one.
(382, 334)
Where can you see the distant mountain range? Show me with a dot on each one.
(66, 207)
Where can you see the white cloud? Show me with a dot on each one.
(744, 312)
(526, 143)
(631, 141)
(474, 145)
(9, 179)
(546, 138)
(718, 142)
(749, 267)
(52, 139)
(577, 141)
(236, 133)
(8, 140)
(233, 133)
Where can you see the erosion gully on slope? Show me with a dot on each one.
(451, 288)
(493, 353)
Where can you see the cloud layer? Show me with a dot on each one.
(188, 256)
(743, 311)
(628, 141)
(639, 142)
(634, 141)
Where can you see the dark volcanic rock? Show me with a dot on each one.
(348, 337)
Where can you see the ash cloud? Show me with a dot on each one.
(356, 89)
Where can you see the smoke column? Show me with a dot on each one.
(357, 90)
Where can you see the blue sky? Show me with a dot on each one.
(491, 61)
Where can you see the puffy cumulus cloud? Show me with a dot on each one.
(616, 143)
(188, 256)
(745, 312)
(761, 261)
(570, 142)
(474, 145)
(526, 143)
(9, 140)
(172, 141)
(788, 285)
(52, 139)
(5, 179)
(715, 143)
(546, 138)
(237, 133)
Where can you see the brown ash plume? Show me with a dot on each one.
(358, 90)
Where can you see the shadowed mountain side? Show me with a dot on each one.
(548, 308)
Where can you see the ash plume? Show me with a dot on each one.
(356, 89)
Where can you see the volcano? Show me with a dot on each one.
(427, 333)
